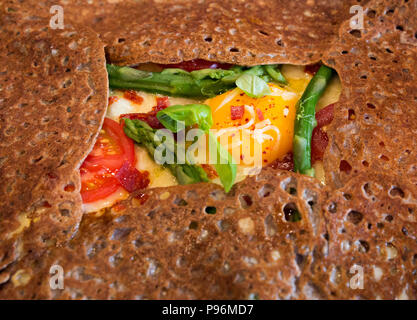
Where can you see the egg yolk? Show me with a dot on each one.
(255, 129)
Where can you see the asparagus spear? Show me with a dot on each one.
(305, 120)
(275, 74)
(166, 82)
(143, 134)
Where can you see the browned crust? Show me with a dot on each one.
(52, 103)
(157, 250)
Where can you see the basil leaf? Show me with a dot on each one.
(225, 165)
(253, 85)
(190, 114)
(211, 74)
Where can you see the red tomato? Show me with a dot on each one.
(197, 64)
(111, 151)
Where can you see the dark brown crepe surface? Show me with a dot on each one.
(170, 247)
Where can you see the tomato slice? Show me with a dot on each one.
(112, 149)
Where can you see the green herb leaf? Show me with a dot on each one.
(190, 114)
(211, 74)
(253, 85)
(225, 165)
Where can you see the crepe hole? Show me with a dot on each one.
(208, 39)
(36, 160)
(332, 207)
(326, 236)
(354, 217)
(364, 77)
(291, 212)
(367, 189)
(66, 84)
(389, 12)
(299, 259)
(180, 202)
(370, 105)
(263, 32)
(399, 27)
(121, 233)
(266, 190)
(365, 163)
(396, 192)
(193, 225)
(279, 43)
(245, 201)
(64, 212)
(347, 196)
(344, 52)
(121, 40)
(351, 114)
(35, 64)
(371, 13)
(372, 57)
(210, 210)
(389, 50)
(383, 157)
(363, 246)
(389, 218)
(69, 187)
(234, 49)
(67, 70)
(344, 166)
(369, 226)
(356, 33)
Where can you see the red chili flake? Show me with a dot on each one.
(237, 112)
(132, 96)
(161, 103)
(286, 163)
(150, 117)
(132, 179)
(197, 64)
(113, 99)
(319, 141)
(211, 172)
(260, 114)
(325, 115)
(312, 68)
